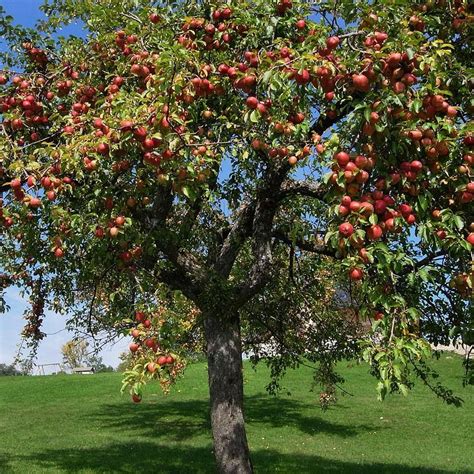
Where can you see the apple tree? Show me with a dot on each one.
(192, 145)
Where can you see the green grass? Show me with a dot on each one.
(80, 423)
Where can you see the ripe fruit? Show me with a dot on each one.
(356, 274)
(416, 166)
(136, 398)
(154, 17)
(151, 367)
(98, 123)
(470, 238)
(34, 202)
(380, 206)
(169, 360)
(301, 24)
(149, 342)
(346, 201)
(343, 210)
(374, 232)
(405, 209)
(99, 232)
(354, 206)
(58, 252)
(252, 102)
(135, 333)
(133, 347)
(333, 42)
(103, 148)
(139, 316)
(120, 220)
(162, 360)
(378, 316)
(15, 183)
(346, 229)
(361, 82)
(342, 158)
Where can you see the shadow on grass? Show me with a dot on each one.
(5, 464)
(170, 436)
(146, 457)
(181, 420)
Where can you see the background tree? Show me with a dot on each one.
(125, 361)
(191, 145)
(75, 353)
(6, 369)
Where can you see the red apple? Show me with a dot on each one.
(346, 229)
(151, 367)
(136, 398)
(374, 232)
(342, 158)
(162, 360)
(361, 82)
(356, 274)
(252, 102)
(333, 42)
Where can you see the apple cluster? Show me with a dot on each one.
(147, 351)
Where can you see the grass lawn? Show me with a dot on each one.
(79, 423)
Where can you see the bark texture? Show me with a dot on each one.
(224, 356)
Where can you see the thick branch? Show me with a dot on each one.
(324, 122)
(265, 209)
(302, 188)
(239, 231)
(307, 246)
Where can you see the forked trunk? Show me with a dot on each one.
(226, 394)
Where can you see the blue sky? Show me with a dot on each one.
(26, 12)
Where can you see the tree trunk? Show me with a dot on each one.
(226, 389)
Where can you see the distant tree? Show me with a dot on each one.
(9, 370)
(97, 364)
(75, 353)
(125, 358)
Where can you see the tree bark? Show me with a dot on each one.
(224, 356)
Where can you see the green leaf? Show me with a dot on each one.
(190, 193)
(403, 388)
(416, 105)
(255, 116)
(413, 313)
(367, 112)
(423, 201)
(458, 222)
(266, 77)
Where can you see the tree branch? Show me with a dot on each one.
(265, 209)
(307, 246)
(239, 231)
(302, 188)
